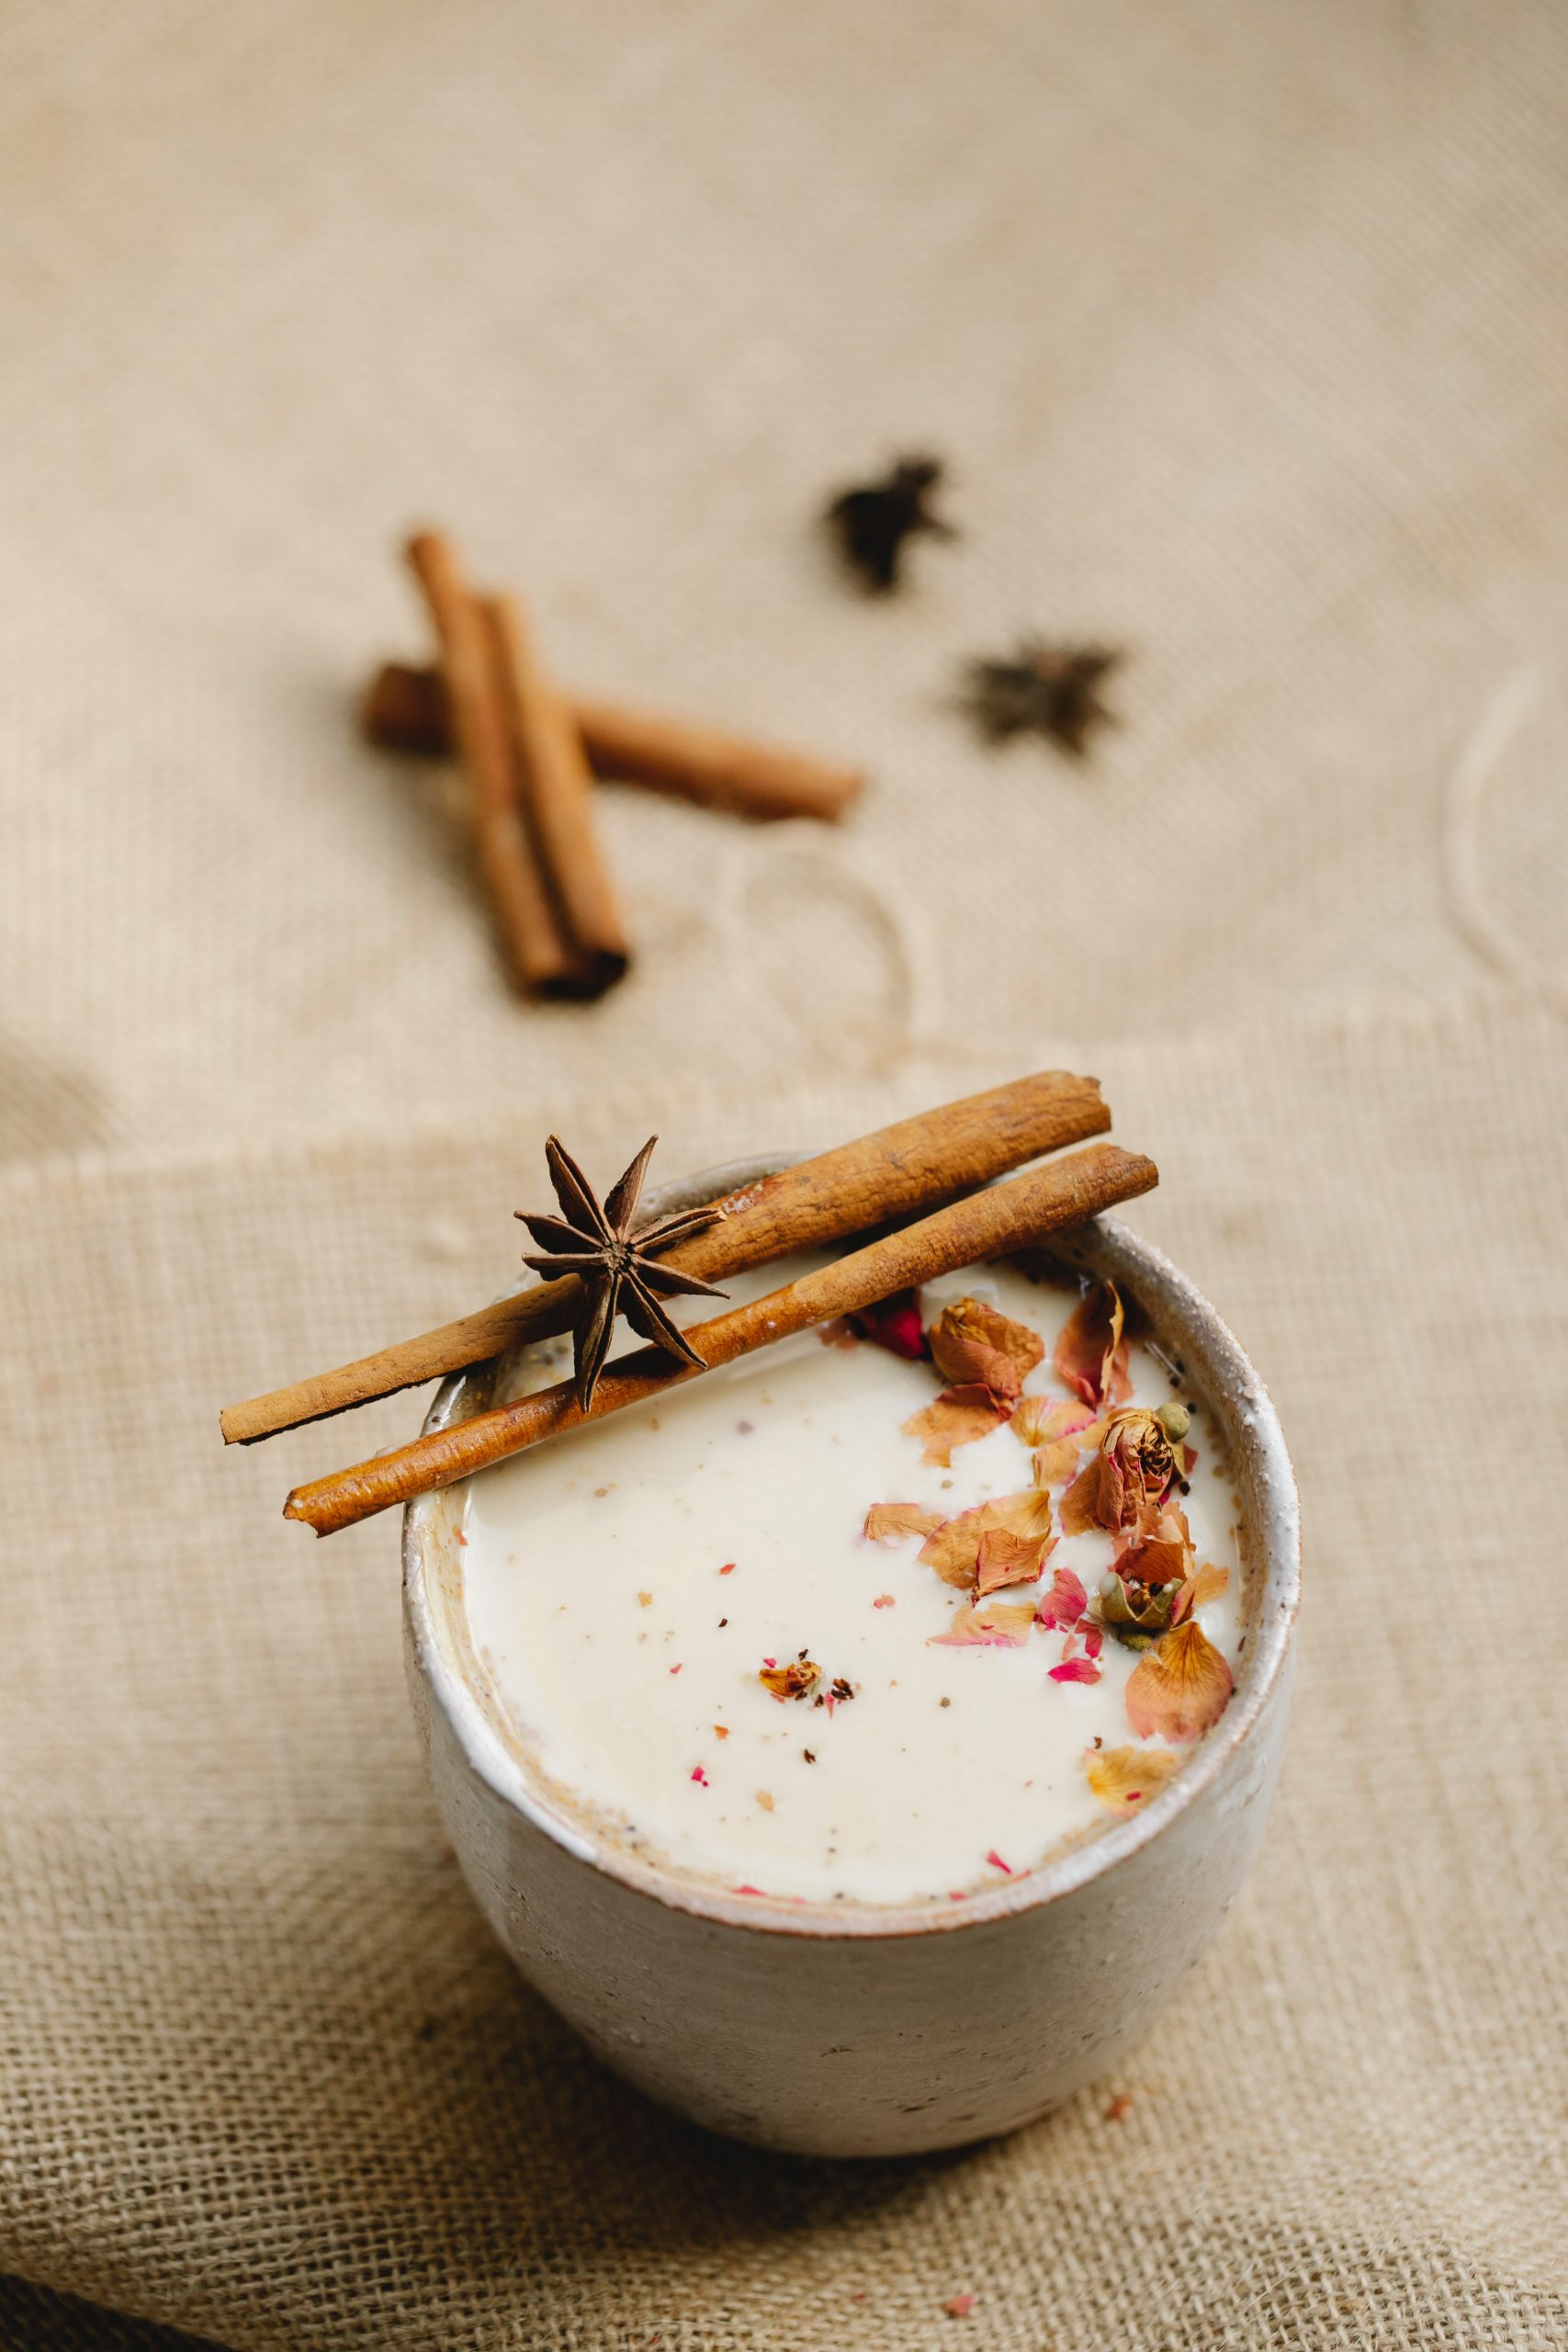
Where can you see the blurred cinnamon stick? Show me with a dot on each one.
(407, 710)
(558, 796)
(542, 958)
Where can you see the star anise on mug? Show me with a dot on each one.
(872, 521)
(1045, 690)
(615, 1258)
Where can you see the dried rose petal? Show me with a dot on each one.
(1000, 1624)
(957, 1417)
(1160, 1552)
(1094, 1498)
(1091, 1353)
(1050, 1420)
(1181, 1689)
(1059, 1431)
(894, 1324)
(1064, 1604)
(887, 1522)
(972, 1344)
(796, 1681)
(1004, 1558)
(954, 1550)
(1076, 1669)
(1125, 1777)
(1207, 1584)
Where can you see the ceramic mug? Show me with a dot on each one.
(875, 2031)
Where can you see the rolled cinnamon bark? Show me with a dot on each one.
(895, 1172)
(986, 1225)
(405, 709)
(558, 796)
(541, 957)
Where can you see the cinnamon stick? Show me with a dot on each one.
(898, 1172)
(984, 1225)
(541, 957)
(558, 795)
(406, 709)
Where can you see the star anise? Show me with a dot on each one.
(615, 1261)
(1049, 690)
(872, 521)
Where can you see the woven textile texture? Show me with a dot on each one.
(1242, 326)
(267, 2079)
(1241, 323)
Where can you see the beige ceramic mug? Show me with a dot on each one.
(874, 2032)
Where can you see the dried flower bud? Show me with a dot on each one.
(1136, 1613)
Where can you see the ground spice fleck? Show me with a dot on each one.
(808, 1756)
(764, 1800)
(1119, 2108)
(959, 2306)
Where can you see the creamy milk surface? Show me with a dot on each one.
(628, 1585)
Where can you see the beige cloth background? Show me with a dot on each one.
(1243, 330)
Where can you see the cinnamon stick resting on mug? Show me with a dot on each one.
(990, 1224)
(897, 1171)
(406, 709)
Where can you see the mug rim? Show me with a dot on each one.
(1251, 1429)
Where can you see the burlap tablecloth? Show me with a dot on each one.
(1243, 329)
(267, 2078)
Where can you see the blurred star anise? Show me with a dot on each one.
(1045, 690)
(872, 521)
(614, 1261)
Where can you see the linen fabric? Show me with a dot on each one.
(1241, 329)
(267, 2079)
